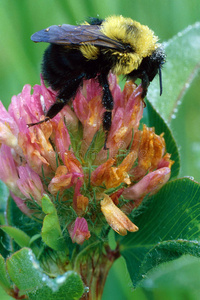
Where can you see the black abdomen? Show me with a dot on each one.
(61, 64)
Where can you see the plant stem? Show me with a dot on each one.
(94, 268)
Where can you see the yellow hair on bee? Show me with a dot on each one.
(140, 37)
(89, 51)
(129, 32)
(126, 63)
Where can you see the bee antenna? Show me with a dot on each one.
(160, 80)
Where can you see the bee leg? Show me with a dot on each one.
(56, 107)
(53, 110)
(36, 123)
(65, 94)
(107, 102)
(145, 83)
(107, 121)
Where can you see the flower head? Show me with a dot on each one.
(65, 159)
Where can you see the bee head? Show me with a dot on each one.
(153, 65)
(149, 67)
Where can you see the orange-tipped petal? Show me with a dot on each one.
(150, 149)
(151, 183)
(61, 181)
(81, 204)
(99, 175)
(72, 163)
(116, 218)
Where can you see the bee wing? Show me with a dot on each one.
(76, 35)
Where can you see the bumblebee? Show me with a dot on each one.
(117, 44)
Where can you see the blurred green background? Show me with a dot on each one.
(20, 64)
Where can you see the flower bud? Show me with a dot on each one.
(79, 231)
(30, 184)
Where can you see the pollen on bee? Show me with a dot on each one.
(89, 51)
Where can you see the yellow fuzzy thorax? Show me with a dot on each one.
(139, 37)
(128, 32)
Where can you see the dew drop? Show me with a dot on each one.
(148, 282)
(60, 279)
(175, 110)
(173, 116)
(179, 102)
(189, 177)
(187, 85)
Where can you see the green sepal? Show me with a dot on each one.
(51, 230)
